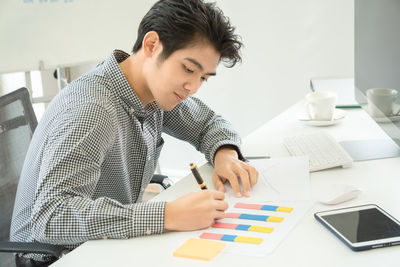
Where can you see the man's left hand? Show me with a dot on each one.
(228, 167)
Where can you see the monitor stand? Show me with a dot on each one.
(361, 150)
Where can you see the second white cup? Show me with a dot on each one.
(321, 105)
(380, 101)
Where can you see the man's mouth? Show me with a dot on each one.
(180, 97)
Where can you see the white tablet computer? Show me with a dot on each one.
(362, 227)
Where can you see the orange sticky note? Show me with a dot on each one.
(201, 249)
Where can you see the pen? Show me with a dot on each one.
(258, 157)
(196, 174)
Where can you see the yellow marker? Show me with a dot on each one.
(274, 219)
(247, 239)
(261, 229)
(284, 209)
(201, 249)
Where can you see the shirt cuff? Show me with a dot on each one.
(227, 144)
(148, 218)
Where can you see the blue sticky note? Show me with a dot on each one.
(244, 227)
(228, 238)
(253, 217)
(268, 207)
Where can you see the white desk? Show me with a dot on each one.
(309, 244)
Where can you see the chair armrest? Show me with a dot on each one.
(162, 180)
(33, 247)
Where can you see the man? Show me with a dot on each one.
(97, 145)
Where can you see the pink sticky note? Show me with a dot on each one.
(232, 215)
(248, 206)
(225, 225)
(211, 236)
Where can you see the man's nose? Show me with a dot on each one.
(192, 86)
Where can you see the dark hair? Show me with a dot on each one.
(179, 23)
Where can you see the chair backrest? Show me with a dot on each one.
(17, 124)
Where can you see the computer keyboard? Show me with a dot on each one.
(323, 151)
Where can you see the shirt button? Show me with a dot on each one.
(131, 110)
(148, 232)
(149, 158)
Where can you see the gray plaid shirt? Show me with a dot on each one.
(93, 154)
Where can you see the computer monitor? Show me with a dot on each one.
(377, 65)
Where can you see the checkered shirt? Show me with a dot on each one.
(93, 154)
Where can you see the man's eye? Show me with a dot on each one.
(187, 69)
(204, 79)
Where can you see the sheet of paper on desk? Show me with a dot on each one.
(279, 179)
(282, 182)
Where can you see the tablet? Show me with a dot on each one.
(362, 227)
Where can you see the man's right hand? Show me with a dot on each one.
(195, 210)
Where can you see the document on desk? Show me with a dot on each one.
(255, 226)
(283, 182)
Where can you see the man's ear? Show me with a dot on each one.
(151, 44)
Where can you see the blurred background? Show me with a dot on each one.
(287, 42)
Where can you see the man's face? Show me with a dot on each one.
(181, 74)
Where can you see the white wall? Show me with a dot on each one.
(286, 43)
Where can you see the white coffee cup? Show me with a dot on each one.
(321, 105)
(380, 101)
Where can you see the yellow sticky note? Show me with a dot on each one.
(201, 249)
(261, 229)
(274, 219)
(247, 239)
(284, 209)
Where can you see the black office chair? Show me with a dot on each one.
(17, 124)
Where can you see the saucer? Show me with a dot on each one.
(338, 116)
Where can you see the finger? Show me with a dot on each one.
(244, 177)
(217, 195)
(233, 180)
(254, 177)
(219, 215)
(253, 174)
(218, 184)
(221, 205)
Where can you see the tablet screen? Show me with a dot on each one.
(363, 225)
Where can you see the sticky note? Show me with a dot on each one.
(243, 227)
(284, 209)
(261, 229)
(232, 215)
(248, 206)
(270, 208)
(253, 217)
(233, 238)
(247, 239)
(228, 238)
(274, 219)
(201, 249)
(211, 236)
(263, 207)
(225, 225)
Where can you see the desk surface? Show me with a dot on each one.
(309, 243)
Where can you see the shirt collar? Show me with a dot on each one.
(121, 87)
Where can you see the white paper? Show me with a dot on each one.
(282, 182)
(279, 179)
